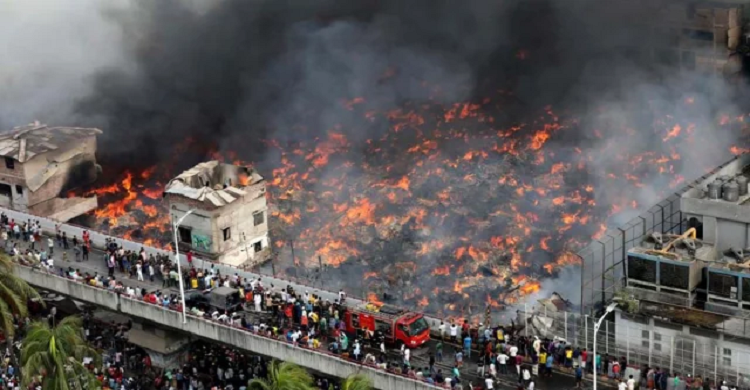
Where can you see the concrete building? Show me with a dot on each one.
(693, 289)
(41, 164)
(698, 35)
(229, 223)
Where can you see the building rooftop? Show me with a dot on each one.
(674, 247)
(214, 183)
(727, 184)
(24, 142)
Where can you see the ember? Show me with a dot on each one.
(478, 218)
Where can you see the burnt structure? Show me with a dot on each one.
(41, 163)
(695, 35)
(228, 222)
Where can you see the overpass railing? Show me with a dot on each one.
(118, 296)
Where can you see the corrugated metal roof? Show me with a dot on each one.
(24, 142)
(203, 183)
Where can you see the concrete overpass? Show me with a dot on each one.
(319, 361)
(98, 239)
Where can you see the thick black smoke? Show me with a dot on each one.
(232, 73)
(239, 71)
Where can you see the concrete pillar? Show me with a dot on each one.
(710, 229)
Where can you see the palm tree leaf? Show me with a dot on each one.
(58, 352)
(6, 320)
(357, 382)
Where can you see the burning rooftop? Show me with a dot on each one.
(213, 183)
(225, 209)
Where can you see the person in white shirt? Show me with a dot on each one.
(622, 385)
(488, 383)
(493, 370)
(502, 360)
(139, 271)
(357, 351)
(513, 351)
(631, 383)
(530, 386)
(454, 332)
(256, 300)
(407, 355)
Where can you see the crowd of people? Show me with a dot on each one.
(498, 354)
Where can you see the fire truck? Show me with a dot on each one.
(397, 326)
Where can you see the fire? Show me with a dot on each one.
(563, 259)
(373, 298)
(442, 271)
(457, 196)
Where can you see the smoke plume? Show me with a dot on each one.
(232, 74)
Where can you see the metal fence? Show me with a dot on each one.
(602, 261)
(645, 341)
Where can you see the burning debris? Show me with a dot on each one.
(452, 169)
(478, 219)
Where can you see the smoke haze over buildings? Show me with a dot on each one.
(230, 73)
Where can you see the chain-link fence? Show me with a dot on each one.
(602, 261)
(648, 341)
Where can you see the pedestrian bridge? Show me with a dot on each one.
(316, 360)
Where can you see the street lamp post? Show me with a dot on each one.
(176, 226)
(610, 309)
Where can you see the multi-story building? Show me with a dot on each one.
(228, 222)
(41, 164)
(700, 35)
(693, 289)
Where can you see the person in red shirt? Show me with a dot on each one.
(584, 356)
(190, 258)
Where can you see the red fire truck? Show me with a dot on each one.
(396, 325)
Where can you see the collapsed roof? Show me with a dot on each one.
(213, 183)
(24, 142)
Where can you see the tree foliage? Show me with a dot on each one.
(284, 376)
(56, 356)
(357, 382)
(14, 296)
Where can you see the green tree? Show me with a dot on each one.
(357, 382)
(56, 355)
(14, 296)
(284, 376)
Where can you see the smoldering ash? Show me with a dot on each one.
(454, 157)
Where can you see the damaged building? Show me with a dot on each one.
(42, 164)
(228, 222)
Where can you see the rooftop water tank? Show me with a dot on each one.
(730, 191)
(742, 183)
(714, 189)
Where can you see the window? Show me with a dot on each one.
(5, 190)
(10, 163)
(727, 358)
(227, 233)
(355, 321)
(19, 189)
(645, 343)
(257, 247)
(258, 218)
(185, 235)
